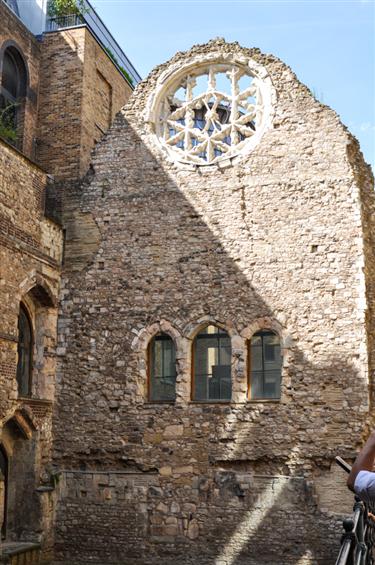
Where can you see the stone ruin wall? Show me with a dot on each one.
(274, 240)
(30, 257)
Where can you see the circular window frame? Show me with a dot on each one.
(169, 82)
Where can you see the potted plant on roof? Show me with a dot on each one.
(69, 10)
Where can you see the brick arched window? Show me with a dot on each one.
(25, 349)
(265, 363)
(212, 353)
(162, 368)
(13, 88)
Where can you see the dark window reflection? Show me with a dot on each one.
(212, 365)
(162, 368)
(265, 362)
(24, 354)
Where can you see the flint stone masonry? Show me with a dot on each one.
(281, 239)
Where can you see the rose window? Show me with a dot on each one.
(211, 113)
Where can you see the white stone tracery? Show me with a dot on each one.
(211, 112)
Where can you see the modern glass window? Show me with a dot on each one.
(265, 365)
(212, 353)
(25, 344)
(162, 368)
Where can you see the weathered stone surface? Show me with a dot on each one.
(72, 92)
(281, 239)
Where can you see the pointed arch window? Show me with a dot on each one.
(265, 366)
(212, 353)
(25, 346)
(162, 368)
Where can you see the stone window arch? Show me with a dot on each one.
(13, 89)
(211, 365)
(211, 110)
(37, 323)
(24, 352)
(162, 371)
(264, 365)
(142, 345)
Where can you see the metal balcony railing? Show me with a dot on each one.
(98, 29)
(358, 539)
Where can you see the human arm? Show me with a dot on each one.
(364, 461)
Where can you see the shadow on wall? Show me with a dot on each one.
(238, 489)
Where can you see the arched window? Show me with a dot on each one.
(25, 345)
(12, 90)
(4, 473)
(212, 353)
(265, 365)
(162, 368)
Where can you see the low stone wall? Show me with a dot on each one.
(225, 517)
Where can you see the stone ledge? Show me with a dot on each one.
(29, 551)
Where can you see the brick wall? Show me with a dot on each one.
(60, 106)
(105, 92)
(12, 30)
(80, 92)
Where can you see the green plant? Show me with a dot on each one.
(55, 478)
(124, 71)
(58, 8)
(8, 130)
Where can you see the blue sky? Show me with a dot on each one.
(329, 44)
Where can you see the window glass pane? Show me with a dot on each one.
(24, 354)
(265, 366)
(256, 354)
(272, 384)
(162, 368)
(212, 365)
(225, 351)
(158, 359)
(256, 384)
(10, 76)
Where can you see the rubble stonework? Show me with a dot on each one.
(279, 238)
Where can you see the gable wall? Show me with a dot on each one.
(273, 241)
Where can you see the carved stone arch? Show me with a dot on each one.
(22, 422)
(40, 300)
(37, 287)
(140, 346)
(19, 437)
(265, 323)
(141, 341)
(194, 327)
